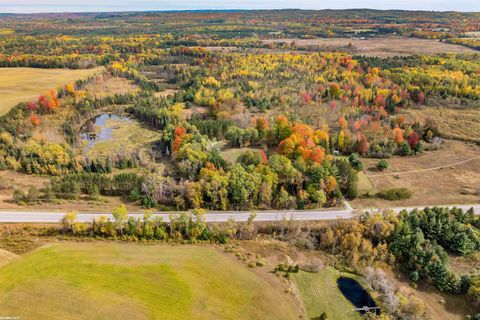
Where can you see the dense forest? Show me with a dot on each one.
(241, 24)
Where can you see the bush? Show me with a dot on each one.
(414, 276)
(33, 195)
(405, 149)
(395, 194)
(18, 196)
(382, 165)
(355, 161)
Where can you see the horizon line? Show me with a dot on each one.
(226, 10)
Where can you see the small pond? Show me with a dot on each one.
(356, 294)
(96, 130)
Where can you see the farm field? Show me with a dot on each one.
(24, 84)
(446, 176)
(379, 47)
(320, 293)
(129, 281)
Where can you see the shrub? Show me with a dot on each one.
(382, 165)
(18, 196)
(33, 195)
(395, 194)
(355, 161)
(414, 276)
(405, 149)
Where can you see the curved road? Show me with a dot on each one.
(297, 215)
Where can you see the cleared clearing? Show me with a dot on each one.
(106, 85)
(232, 154)
(132, 281)
(450, 175)
(25, 84)
(380, 47)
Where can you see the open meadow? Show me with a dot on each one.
(131, 281)
(449, 175)
(377, 47)
(24, 84)
(461, 124)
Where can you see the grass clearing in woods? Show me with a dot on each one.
(446, 176)
(379, 47)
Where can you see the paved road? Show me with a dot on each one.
(45, 217)
(306, 215)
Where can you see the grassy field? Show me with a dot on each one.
(380, 47)
(24, 84)
(232, 154)
(131, 281)
(446, 176)
(365, 185)
(452, 123)
(320, 293)
(107, 85)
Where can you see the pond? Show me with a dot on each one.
(96, 130)
(356, 294)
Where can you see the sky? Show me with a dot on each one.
(29, 6)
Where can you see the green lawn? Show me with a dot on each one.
(132, 281)
(319, 293)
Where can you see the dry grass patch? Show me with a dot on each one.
(380, 47)
(6, 257)
(462, 124)
(25, 84)
(438, 305)
(165, 93)
(106, 85)
(450, 175)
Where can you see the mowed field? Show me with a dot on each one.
(25, 84)
(380, 47)
(320, 293)
(132, 281)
